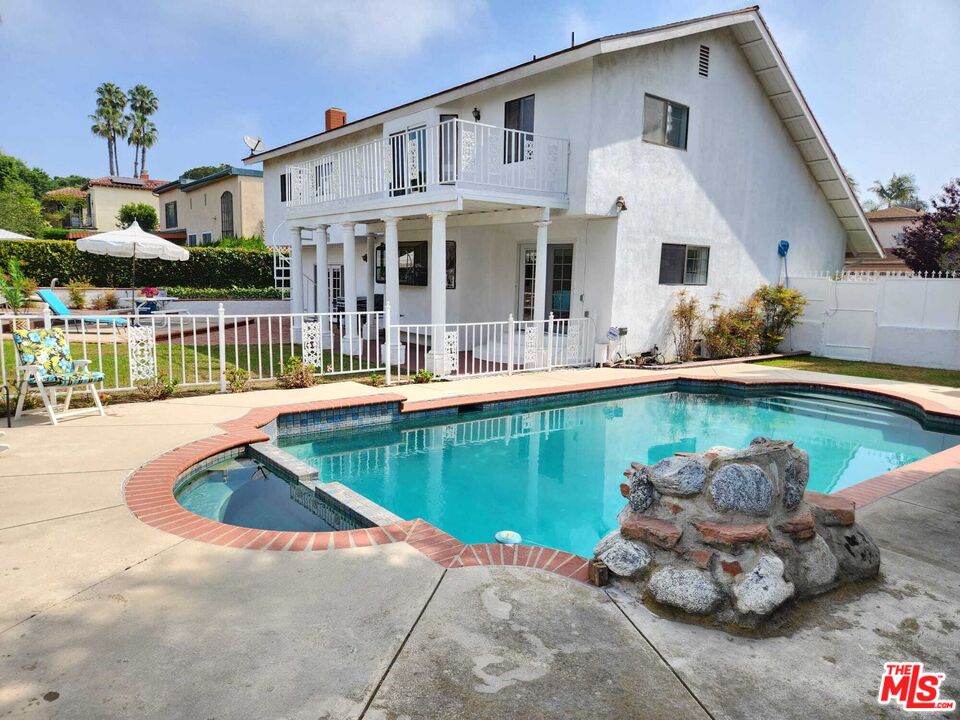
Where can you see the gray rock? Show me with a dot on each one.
(692, 591)
(742, 488)
(680, 476)
(626, 558)
(816, 569)
(796, 475)
(721, 451)
(763, 589)
(642, 492)
(857, 554)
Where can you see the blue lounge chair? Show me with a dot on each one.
(61, 310)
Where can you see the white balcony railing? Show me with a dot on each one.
(455, 152)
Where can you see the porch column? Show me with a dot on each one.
(322, 288)
(540, 276)
(392, 293)
(438, 291)
(296, 278)
(371, 327)
(350, 329)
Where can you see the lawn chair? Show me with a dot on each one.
(43, 357)
(58, 308)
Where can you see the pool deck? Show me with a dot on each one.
(104, 616)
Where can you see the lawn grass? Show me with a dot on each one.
(187, 364)
(883, 371)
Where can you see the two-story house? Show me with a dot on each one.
(226, 203)
(595, 181)
(106, 195)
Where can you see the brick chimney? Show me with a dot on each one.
(144, 175)
(335, 117)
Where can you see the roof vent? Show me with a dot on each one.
(704, 61)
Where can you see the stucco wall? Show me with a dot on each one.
(106, 203)
(198, 211)
(888, 230)
(739, 187)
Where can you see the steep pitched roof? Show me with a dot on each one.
(765, 59)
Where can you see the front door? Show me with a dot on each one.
(559, 281)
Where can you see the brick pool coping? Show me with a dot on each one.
(148, 492)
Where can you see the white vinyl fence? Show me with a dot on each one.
(907, 320)
(199, 350)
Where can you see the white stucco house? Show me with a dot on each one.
(593, 182)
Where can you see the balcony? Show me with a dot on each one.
(436, 161)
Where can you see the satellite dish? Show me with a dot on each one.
(254, 143)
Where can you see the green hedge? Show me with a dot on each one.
(55, 233)
(207, 267)
(231, 293)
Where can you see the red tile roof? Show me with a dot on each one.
(128, 183)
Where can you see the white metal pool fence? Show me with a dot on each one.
(207, 349)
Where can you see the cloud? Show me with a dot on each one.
(355, 31)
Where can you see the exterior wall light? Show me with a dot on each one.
(476, 114)
(621, 204)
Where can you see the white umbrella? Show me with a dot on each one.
(134, 243)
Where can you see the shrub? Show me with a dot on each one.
(734, 332)
(377, 380)
(15, 286)
(250, 243)
(238, 379)
(145, 215)
(158, 388)
(78, 292)
(232, 293)
(296, 374)
(687, 321)
(423, 376)
(781, 309)
(208, 267)
(55, 233)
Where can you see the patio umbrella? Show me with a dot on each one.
(132, 242)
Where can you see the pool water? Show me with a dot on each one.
(238, 492)
(553, 475)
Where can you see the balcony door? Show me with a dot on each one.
(518, 129)
(408, 158)
(449, 148)
(559, 281)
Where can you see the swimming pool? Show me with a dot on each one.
(552, 474)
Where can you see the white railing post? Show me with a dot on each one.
(47, 317)
(387, 337)
(511, 339)
(222, 342)
(550, 342)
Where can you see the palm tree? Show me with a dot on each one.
(900, 191)
(109, 122)
(143, 133)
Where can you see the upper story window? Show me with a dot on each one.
(170, 214)
(684, 264)
(665, 122)
(518, 129)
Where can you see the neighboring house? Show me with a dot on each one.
(66, 207)
(596, 181)
(228, 203)
(106, 195)
(888, 225)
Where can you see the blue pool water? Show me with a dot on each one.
(553, 475)
(237, 492)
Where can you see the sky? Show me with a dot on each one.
(878, 74)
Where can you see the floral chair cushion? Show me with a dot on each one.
(48, 350)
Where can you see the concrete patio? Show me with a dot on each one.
(103, 616)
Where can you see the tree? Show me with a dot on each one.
(202, 171)
(145, 215)
(20, 212)
(109, 121)
(900, 191)
(14, 170)
(932, 242)
(143, 133)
